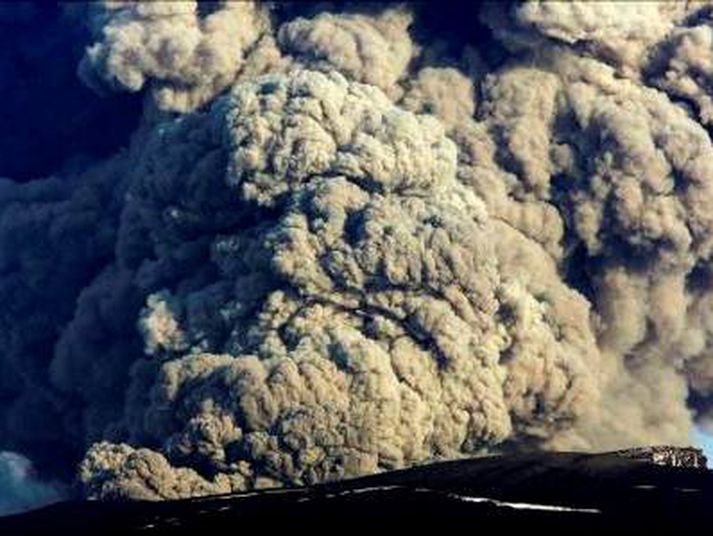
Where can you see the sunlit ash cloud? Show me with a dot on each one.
(340, 242)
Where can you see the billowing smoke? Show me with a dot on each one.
(185, 56)
(339, 243)
(20, 488)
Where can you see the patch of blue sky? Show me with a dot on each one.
(703, 441)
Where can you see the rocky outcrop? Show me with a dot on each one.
(668, 456)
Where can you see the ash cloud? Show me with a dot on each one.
(20, 489)
(340, 243)
(49, 118)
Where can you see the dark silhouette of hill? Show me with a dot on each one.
(531, 491)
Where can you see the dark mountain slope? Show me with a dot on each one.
(533, 491)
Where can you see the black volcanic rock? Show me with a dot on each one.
(628, 489)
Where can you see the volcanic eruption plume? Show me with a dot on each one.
(339, 243)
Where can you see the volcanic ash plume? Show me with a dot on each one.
(185, 58)
(331, 251)
(368, 313)
(20, 489)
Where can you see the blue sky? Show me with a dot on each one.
(704, 441)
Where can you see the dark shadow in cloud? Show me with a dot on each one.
(46, 114)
